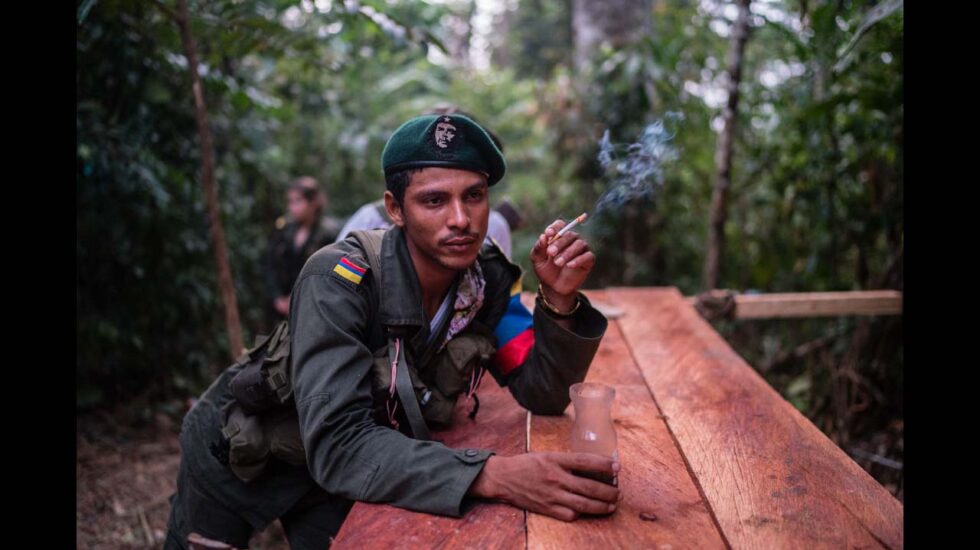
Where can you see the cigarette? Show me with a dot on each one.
(567, 228)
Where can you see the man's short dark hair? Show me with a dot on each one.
(398, 181)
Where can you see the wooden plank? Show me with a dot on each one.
(501, 426)
(654, 479)
(816, 304)
(772, 479)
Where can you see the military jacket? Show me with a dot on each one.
(338, 321)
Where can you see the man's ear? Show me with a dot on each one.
(394, 209)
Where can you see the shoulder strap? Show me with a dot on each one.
(370, 241)
(406, 394)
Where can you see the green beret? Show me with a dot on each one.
(449, 141)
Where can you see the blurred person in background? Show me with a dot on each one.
(301, 232)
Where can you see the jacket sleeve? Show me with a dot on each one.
(347, 452)
(538, 359)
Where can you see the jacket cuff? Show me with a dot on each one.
(475, 460)
(588, 324)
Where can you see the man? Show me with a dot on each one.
(296, 238)
(504, 219)
(436, 284)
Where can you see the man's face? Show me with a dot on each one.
(444, 215)
(444, 134)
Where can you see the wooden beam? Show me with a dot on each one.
(816, 304)
(771, 478)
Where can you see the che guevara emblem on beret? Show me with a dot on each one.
(445, 136)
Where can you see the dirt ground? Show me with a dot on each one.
(124, 477)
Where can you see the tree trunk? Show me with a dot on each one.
(619, 22)
(225, 281)
(723, 151)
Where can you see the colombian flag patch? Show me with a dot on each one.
(350, 271)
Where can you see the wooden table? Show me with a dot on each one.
(706, 446)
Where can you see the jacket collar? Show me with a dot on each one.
(401, 294)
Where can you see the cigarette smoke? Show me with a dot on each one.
(635, 171)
